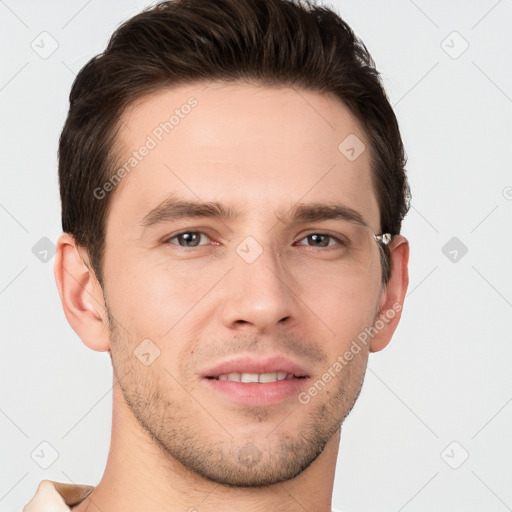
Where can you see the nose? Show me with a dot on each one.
(260, 294)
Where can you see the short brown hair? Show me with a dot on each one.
(271, 42)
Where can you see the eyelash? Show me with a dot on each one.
(338, 240)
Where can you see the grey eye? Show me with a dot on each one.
(188, 238)
(320, 240)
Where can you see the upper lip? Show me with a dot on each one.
(247, 364)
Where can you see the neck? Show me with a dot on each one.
(140, 475)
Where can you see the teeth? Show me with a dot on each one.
(255, 377)
(249, 377)
(268, 377)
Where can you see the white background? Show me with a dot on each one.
(446, 377)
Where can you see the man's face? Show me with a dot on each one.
(252, 285)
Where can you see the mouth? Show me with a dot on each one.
(262, 378)
(257, 382)
(258, 390)
(249, 369)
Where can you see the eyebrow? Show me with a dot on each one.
(174, 208)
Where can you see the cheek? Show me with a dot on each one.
(152, 295)
(345, 304)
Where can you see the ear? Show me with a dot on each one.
(81, 294)
(393, 295)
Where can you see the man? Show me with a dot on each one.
(233, 186)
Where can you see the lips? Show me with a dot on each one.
(273, 364)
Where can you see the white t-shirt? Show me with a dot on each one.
(59, 497)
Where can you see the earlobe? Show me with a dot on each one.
(392, 298)
(81, 294)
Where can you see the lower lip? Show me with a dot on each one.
(258, 393)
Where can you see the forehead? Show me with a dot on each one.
(251, 147)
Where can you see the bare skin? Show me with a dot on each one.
(176, 444)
